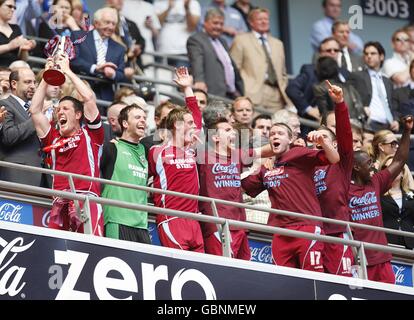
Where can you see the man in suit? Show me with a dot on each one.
(300, 89)
(346, 59)
(19, 142)
(261, 61)
(375, 90)
(211, 65)
(100, 56)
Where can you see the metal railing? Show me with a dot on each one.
(222, 223)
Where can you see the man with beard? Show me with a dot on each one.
(19, 143)
(74, 149)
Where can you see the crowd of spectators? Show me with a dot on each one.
(360, 98)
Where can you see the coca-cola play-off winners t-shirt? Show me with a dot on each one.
(220, 179)
(290, 185)
(365, 208)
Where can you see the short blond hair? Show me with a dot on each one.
(379, 137)
(257, 11)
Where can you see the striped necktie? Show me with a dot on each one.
(26, 108)
(100, 51)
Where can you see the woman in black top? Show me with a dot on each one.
(398, 207)
(13, 46)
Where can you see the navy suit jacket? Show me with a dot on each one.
(300, 89)
(86, 56)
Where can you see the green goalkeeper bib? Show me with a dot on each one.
(131, 167)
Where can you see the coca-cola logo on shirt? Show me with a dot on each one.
(319, 175)
(226, 169)
(366, 200)
(275, 172)
(10, 212)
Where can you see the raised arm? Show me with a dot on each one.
(343, 125)
(91, 110)
(330, 152)
(192, 20)
(163, 15)
(40, 121)
(185, 82)
(401, 155)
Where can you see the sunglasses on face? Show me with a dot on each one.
(393, 144)
(402, 39)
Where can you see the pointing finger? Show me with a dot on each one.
(329, 84)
